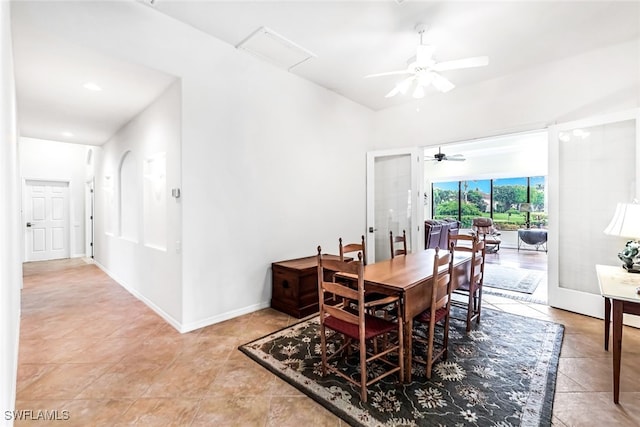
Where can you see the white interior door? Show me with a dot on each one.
(593, 165)
(394, 194)
(46, 215)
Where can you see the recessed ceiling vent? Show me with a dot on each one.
(271, 46)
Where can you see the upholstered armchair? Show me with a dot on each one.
(484, 229)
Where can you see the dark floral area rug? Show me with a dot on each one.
(502, 373)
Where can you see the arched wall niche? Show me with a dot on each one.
(128, 197)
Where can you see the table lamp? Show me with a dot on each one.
(626, 223)
(526, 208)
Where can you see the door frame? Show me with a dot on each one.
(89, 217)
(563, 298)
(70, 233)
(417, 188)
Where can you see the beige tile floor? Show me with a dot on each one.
(90, 348)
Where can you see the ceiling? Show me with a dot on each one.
(52, 103)
(354, 38)
(350, 39)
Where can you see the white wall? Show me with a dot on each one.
(150, 267)
(60, 161)
(263, 152)
(10, 265)
(600, 81)
(286, 172)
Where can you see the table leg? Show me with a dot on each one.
(617, 347)
(408, 344)
(607, 322)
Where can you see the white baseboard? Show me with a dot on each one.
(192, 326)
(168, 318)
(224, 316)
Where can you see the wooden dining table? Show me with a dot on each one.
(410, 277)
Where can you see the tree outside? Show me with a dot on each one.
(508, 195)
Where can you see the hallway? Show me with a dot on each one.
(90, 348)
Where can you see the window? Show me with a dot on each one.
(446, 200)
(475, 200)
(512, 203)
(509, 195)
(538, 197)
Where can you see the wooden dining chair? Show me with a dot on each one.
(438, 312)
(355, 327)
(470, 287)
(376, 303)
(398, 239)
(352, 248)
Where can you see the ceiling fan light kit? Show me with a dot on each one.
(424, 70)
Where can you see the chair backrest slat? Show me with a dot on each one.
(353, 247)
(340, 290)
(476, 247)
(398, 239)
(441, 282)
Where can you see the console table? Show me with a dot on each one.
(618, 287)
(533, 236)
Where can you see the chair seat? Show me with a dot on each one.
(425, 316)
(374, 326)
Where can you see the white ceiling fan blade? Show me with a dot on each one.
(393, 92)
(388, 73)
(401, 87)
(441, 83)
(455, 159)
(477, 61)
(424, 53)
(404, 85)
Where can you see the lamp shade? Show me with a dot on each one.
(626, 221)
(525, 207)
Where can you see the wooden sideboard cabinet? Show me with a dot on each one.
(295, 285)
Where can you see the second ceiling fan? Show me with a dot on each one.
(423, 70)
(440, 156)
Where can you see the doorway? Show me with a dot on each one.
(46, 220)
(393, 196)
(502, 178)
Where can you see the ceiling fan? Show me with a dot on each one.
(440, 156)
(423, 70)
